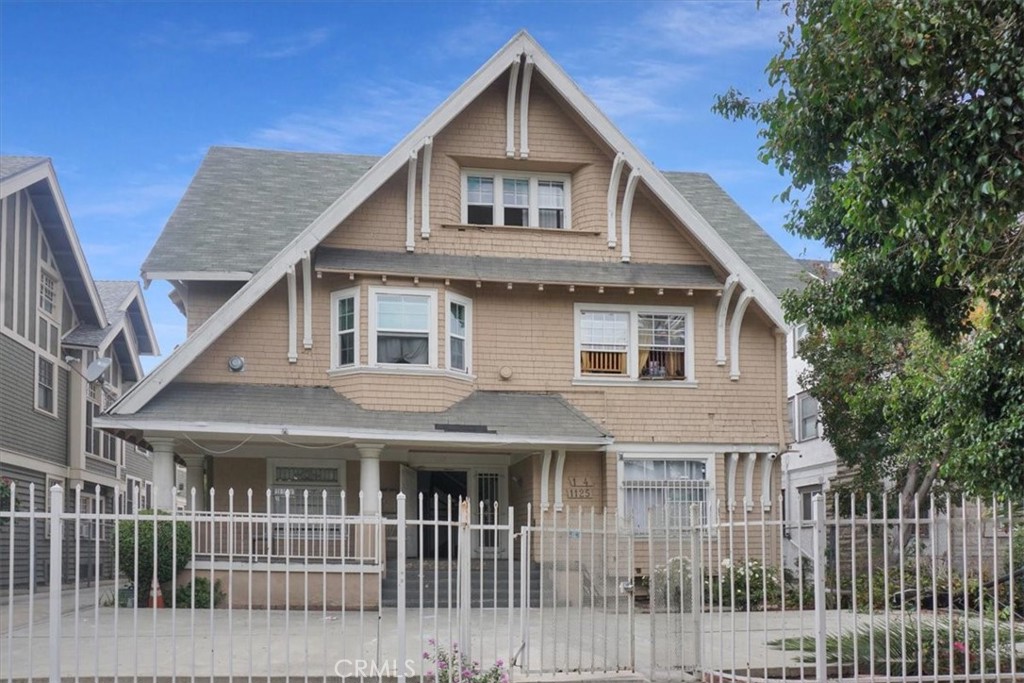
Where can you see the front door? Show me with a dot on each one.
(488, 494)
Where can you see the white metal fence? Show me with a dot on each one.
(890, 591)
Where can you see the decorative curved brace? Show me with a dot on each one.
(766, 480)
(410, 204)
(524, 109)
(730, 480)
(559, 470)
(428, 148)
(545, 478)
(293, 354)
(510, 109)
(734, 333)
(307, 301)
(613, 196)
(627, 211)
(731, 283)
(748, 481)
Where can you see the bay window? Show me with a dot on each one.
(403, 326)
(458, 326)
(345, 328)
(516, 199)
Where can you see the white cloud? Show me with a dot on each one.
(642, 92)
(290, 46)
(371, 123)
(195, 36)
(131, 200)
(713, 28)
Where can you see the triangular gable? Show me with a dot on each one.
(37, 176)
(397, 159)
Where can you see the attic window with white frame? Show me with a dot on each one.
(634, 343)
(48, 303)
(507, 198)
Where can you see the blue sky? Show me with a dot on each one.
(126, 98)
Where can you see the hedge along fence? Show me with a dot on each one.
(173, 541)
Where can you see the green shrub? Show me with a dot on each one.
(170, 559)
(184, 594)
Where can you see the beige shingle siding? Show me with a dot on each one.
(204, 298)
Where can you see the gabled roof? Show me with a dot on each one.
(243, 206)
(397, 158)
(37, 177)
(128, 326)
(507, 417)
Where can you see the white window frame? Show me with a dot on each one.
(667, 452)
(467, 303)
(295, 504)
(498, 218)
(633, 349)
(128, 494)
(349, 293)
(431, 295)
(798, 418)
(55, 314)
(53, 387)
(799, 334)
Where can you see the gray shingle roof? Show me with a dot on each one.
(495, 269)
(777, 269)
(244, 205)
(13, 165)
(520, 416)
(113, 293)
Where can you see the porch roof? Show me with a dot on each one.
(484, 417)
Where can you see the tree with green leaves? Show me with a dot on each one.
(900, 124)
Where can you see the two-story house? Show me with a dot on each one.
(69, 346)
(512, 305)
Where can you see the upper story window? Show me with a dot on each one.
(804, 413)
(460, 311)
(48, 301)
(46, 382)
(514, 199)
(403, 327)
(639, 343)
(799, 334)
(345, 328)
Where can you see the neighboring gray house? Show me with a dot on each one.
(55, 323)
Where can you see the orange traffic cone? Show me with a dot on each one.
(156, 596)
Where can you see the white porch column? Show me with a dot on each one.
(163, 473)
(195, 478)
(369, 475)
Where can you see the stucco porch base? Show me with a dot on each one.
(343, 588)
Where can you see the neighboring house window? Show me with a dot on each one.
(86, 524)
(345, 322)
(48, 303)
(658, 494)
(98, 442)
(807, 494)
(403, 327)
(459, 323)
(799, 334)
(805, 419)
(508, 198)
(133, 491)
(640, 343)
(46, 377)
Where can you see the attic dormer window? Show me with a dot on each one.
(506, 198)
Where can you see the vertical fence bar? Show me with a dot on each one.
(524, 593)
(510, 557)
(400, 567)
(820, 626)
(1014, 530)
(696, 589)
(12, 523)
(77, 562)
(465, 580)
(56, 562)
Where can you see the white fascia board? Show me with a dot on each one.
(658, 184)
(198, 275)
(641, 449)
(320, 228)
(390, 436)
(44, 171)
(146, 321)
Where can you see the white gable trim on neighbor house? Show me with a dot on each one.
(398, 158)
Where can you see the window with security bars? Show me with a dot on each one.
(658, 494)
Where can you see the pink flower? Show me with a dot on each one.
(959, 647)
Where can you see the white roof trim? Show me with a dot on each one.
(201, 275)
(44, 171)
(390, 435)
(396, 161)
(146, 321)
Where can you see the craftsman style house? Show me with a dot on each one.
(512, 305)
(69, 346)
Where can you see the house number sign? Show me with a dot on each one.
(580, 488)
(312, 475)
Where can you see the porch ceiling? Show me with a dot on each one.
(484, 417)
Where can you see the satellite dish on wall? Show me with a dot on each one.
(96, 369)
